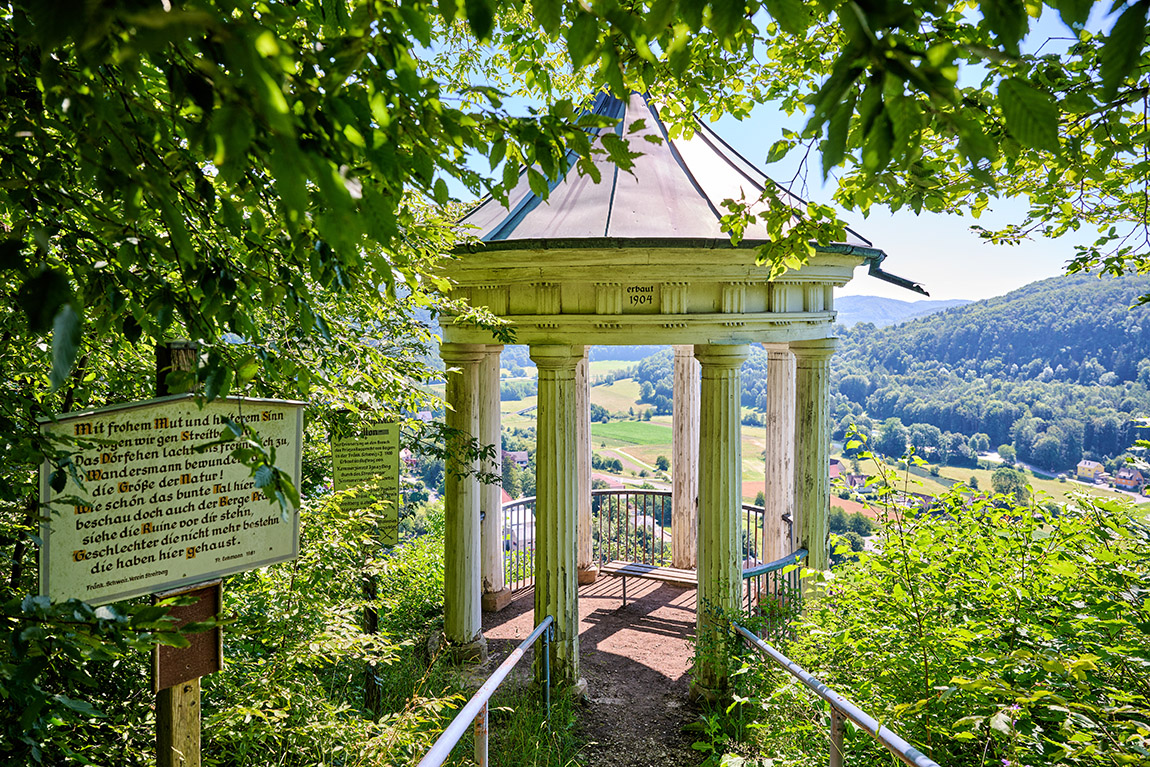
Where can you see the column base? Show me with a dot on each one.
(588, 575)
(494, 601)
(473, 652)
(700, 692)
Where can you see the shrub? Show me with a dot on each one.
(983, 634)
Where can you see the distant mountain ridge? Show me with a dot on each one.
(882, 312)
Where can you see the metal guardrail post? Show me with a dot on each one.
(476, 708)
(841, 710)
(838, 730)
(548, 635)
(481, 731)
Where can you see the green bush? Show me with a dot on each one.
(983, 635)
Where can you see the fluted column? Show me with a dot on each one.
(685, 459)
(556, 508)
(812, 447)
(588, 569)
(462, 591)
(779, 490)
(496, 595)
(720, 504)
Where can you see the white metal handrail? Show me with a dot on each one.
(841, 710)
(476, 708)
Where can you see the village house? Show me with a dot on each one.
(1089, 471)
(1129, 478)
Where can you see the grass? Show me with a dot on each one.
(619, 397)
(616, 433)
(921, 481)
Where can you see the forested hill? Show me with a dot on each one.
(881, 312)
(1059, 369)
(1068, 328)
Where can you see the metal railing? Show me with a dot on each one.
(629, 525)
(773, 592)
(841, 710)
(476, 708)
(519, 543)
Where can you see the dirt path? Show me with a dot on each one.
(635, 660)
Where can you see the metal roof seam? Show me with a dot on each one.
(678, 158)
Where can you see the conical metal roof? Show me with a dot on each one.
(674, 192)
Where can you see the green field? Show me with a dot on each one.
(919, 480)
(618, 433)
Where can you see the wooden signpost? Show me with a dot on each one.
(155, 508)
(370, 455)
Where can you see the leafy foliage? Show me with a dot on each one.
(983, 632)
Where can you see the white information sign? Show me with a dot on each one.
(370, 456)
(152, 512)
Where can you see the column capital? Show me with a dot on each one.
(454, 354)
(556, 356)
(722, 355)
(491, 348)
(820, 348)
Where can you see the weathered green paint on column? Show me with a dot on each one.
(496, 595)
(556, 508)
(720, 504)
(462, 620)
(685, 459)
(812, 448)
(779, 489)
(588, 565)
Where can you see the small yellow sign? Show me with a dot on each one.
(370, 457)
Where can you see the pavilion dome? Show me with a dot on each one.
(675, 191)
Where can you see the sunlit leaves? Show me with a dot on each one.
(1031, 115)
(582, 39)
(1124, 47)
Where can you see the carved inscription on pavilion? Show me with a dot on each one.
(152, 504)
(641, 299)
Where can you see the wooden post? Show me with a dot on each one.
(177, 707)
(178, 725)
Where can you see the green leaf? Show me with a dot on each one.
(727, 16)
(1074, 13)
(582, 39)
(42, 296)
(792, 15)
(834, 146)
(538, 183)
(1007, 19)
(480, 17)
(66, 336)
(547, 14)
(1031, 115)
(79, 706)
(778, 150)
(1123, 48)
(247, 370)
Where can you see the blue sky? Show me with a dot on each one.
(939, 251)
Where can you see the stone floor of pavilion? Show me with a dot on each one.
(636, 660)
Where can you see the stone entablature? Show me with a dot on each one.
(637, 295)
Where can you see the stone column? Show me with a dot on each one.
(780, 452)
(720, 506)
(556, 508)
(496, 595)
(685, 459)
(462, 625)
(588, 569)
(812, 447)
